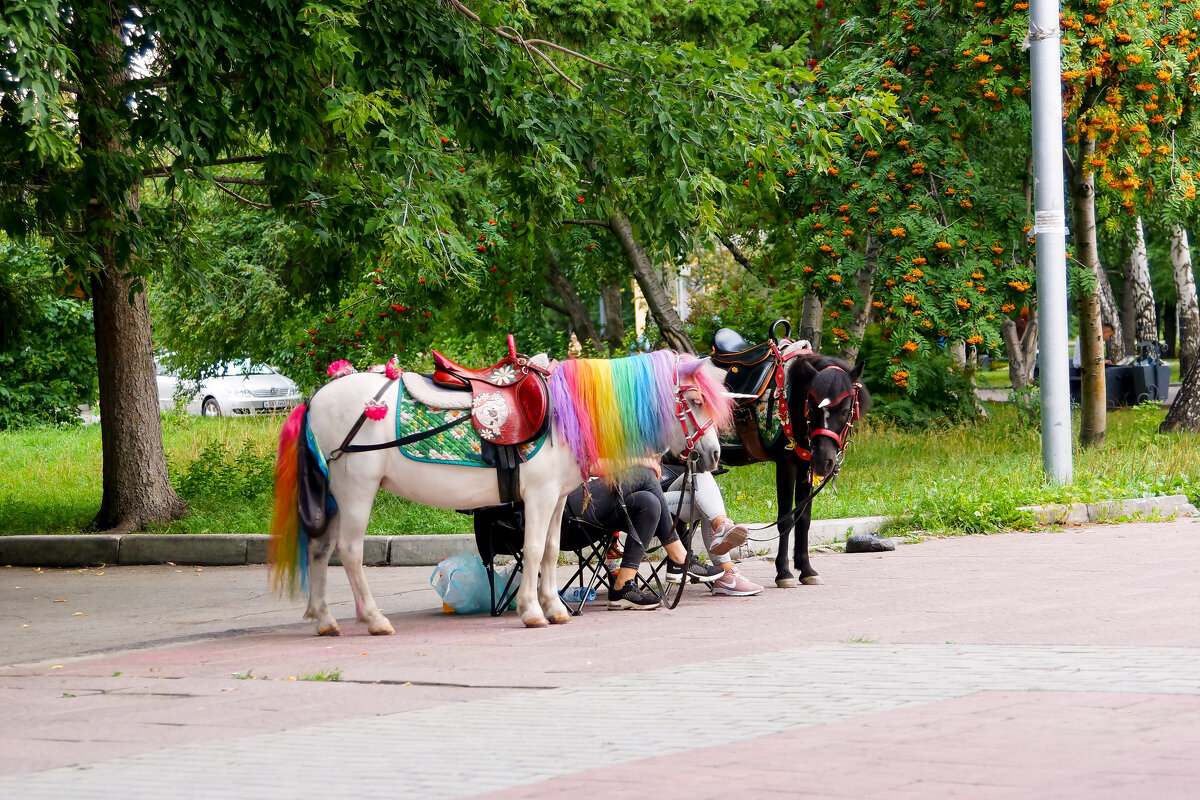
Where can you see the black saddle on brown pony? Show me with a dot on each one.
(816, 401)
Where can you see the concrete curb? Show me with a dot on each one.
(230, 549)
(1110, 510)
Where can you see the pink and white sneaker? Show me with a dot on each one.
(728, 537)
(734, 584)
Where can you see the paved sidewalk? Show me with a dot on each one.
(1059, 664)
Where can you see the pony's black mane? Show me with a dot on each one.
(831, 383)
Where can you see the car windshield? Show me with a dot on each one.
(244, 367)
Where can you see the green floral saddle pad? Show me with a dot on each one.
(769, 428)
(459, 444)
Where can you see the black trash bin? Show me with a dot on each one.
(1151, 383)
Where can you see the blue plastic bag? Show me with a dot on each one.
(462, 583)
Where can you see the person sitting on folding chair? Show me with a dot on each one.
(640, 488)
(720, 533)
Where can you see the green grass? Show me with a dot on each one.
(331, 675)
(968, 477)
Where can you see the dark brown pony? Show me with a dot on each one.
(823, 398)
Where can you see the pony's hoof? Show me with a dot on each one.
(560, 618)
(786, 583)
(536, 622)
(329, 630)
(811, 580)
(384, 629)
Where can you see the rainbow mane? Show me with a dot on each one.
(612, 413)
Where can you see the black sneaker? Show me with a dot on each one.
(705, 573)
(630, 597)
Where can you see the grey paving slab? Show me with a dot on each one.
(941, 660)
(464, 749)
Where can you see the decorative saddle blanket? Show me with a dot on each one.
(769, 428)
(458, 443)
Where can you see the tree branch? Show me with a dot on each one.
(533, 45)
(241, 181)
(737, 254)
(246, 200)
(553, 306)
(597, 222)
(162, 172)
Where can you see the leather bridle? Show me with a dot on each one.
(686, 417)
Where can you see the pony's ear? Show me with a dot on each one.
(856, 373)
(805, 371)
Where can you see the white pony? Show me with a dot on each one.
(603, 415)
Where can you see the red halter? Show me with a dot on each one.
(841, 437)
(685, 415)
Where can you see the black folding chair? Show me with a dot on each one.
(500, 531)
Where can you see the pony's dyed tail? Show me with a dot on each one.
(288, 552)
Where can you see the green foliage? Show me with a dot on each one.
(224, 295)
(47, 353)
(219, 474)
(939, 392)
(954, 505)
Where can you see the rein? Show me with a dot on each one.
(790, 517)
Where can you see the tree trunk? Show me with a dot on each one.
(614, 318)
(1185, 411)
(1186, 309)
(812, 318)
(1114, 348)
(1022, 352)
(1169, 329)
(863, 281)
(1138, 297)
(136, 489)
(669, 323)
(581, 321)
(1092, 424)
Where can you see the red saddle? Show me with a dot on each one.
(509, 399)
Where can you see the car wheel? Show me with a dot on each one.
(211, 408)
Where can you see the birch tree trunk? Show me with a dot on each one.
(669, 323)
(812, 317)
(1138, 297)
(1185, 308)
(1022, 351)
(1185, 411)
(863, 281)
(1093, 420)
(1114, 348)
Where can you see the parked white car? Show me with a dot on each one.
(241, 389)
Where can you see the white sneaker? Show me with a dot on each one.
(732, 583)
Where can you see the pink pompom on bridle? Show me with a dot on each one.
(375, 410)
(340, 368)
